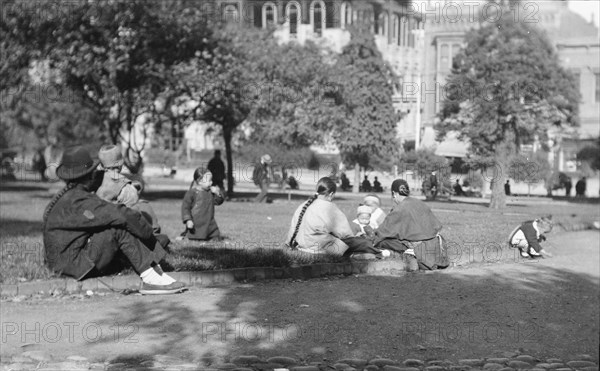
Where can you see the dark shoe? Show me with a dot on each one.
(174, 288)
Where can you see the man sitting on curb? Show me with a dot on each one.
(83, 233)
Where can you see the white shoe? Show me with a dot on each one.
(534, 253)
(386, 253)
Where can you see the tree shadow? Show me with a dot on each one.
(536, 309)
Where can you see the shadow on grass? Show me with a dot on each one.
(20, 228)
(452, 315)
(215, 257)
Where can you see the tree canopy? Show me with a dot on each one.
(506, 88)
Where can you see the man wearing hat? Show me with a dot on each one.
(260, 176)
(83, 233)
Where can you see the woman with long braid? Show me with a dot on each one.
(412, 230)
(320, 227)
(83, 233)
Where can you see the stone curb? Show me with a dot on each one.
(207, 278)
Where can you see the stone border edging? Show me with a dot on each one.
(208, 278)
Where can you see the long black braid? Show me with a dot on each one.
(324, 186)
(57, 197)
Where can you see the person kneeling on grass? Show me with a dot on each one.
(320, 227)
(412, 229)
(198, 207)
(83, 233)
(527, 237)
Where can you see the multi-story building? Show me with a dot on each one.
(575, 40)
(397, 28)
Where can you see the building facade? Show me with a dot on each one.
(576, 42)
(398, 31)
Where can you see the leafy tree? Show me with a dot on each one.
(116, 55)
(364, 121)
(591, 155)
(506, 88)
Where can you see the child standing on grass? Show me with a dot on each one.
(198, 208)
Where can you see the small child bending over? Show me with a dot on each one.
(360, 226)
(527, 237)
(198, 208)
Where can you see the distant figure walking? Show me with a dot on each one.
(507, 188)
(366, 185)
(217, 169)
(458, 189)
(580, 187)
(261, 178)
(568, 186)
(433, 185)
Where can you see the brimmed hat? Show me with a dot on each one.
(266, 159)
(363, 209)
(110, 156)
(76, 162)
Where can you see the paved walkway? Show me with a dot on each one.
(535, 315)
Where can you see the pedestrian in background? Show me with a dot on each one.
(261, 177)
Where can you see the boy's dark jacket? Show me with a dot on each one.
(530, 235)
(75, 217)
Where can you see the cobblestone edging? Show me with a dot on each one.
(207, 278)
(38, 360)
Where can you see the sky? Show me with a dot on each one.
(586, 8)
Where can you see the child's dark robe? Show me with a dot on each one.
(412, 225)
(199, 207)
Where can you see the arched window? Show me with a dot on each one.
(403, 31)
(317, 16)
(382, 24)
(346, 12)
(269, 15)
(292, 12)
(230, 13)
(395, 29)
(411, 33)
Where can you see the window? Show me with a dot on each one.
(444, 58)
(269, 15)
(597, 75)
(403, 31)
(293, 17)
(455, 50)
(230, 13)
(346, 11)
(317, 16)
(382, 24)
(395, 29)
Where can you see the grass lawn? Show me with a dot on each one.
(256, 232)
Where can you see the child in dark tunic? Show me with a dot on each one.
(198, 208)
(527, 237)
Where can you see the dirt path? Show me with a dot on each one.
(546, 308)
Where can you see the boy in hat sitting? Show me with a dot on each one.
(115, 186)
(377, 214)
(360, 226)
(527, 237)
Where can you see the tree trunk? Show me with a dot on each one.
(497, 175)
(356, 178)
(227, 138)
